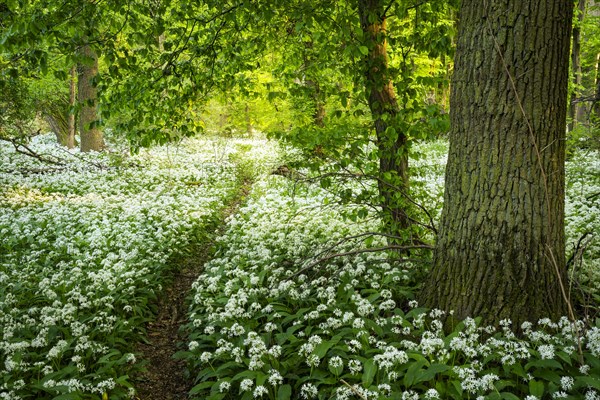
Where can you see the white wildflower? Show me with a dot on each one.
(308, 391)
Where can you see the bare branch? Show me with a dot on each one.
(356, 252)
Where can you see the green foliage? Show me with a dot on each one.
(162, 62)
(16, 108)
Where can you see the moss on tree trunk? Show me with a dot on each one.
(393, 160)
(500, 252)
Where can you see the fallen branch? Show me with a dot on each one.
(22, 148)
(33, 171)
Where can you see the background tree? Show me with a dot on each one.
(585, 61)
(576, 112)
(89, 127)
(393, 154)
(500, 249)
(44, 38)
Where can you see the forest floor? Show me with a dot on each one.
(165, 377)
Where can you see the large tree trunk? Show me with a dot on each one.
(90, 135)
(576, 109)
(393, 160)
(500, 252)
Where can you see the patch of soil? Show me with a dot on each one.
(166, 378)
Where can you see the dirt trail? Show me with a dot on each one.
(166, 378)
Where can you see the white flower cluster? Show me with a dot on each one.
(85, 248)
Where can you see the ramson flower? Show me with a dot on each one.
(354, 366)
(546, 351)
(308, 391)
(246, 385)
(275, 378)
(224, 386)
(566, 383)
(391, 356)
(591, 394)
(259, 391)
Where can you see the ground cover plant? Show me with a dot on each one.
(85, 249)
(583, 223)
(268, 322)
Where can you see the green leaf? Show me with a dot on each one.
(364, 50)
(431, 372)
(458, 388)
(414, 372)
(201, 386)
(536, 388)
(590, 381)
(370, 369)
(67, 396)
(547, 375)
(344, 99)
(544, 364)
(324, 346)
(284, 392)
(244, 374)
(261, 378)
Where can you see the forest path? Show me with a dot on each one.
(166, 378)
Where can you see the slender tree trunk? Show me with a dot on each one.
(90, 135)
(312, 83)
(596, 105)
(576, 110)
(70, 142)
(500, 252)
(393, 160)
(55, 114)
(248, 120)
(319, 114)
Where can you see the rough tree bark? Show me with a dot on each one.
(393, 161)
(500, 251)
(90, 135)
